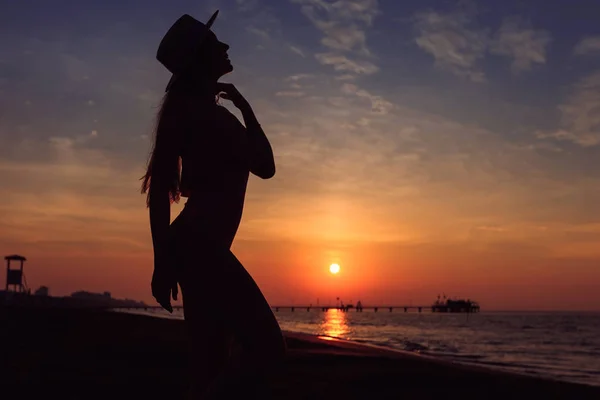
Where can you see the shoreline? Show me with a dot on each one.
(78, 353)
(519, 369)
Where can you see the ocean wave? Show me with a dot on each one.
(416, 347)
(458, 357)
(548, 345)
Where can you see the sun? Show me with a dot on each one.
(334, 268)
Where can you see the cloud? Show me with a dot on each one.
(297, 51)
(415, 177)
(260, 20)
(290, 93)
(298, 77)
(491, 228)
(588, 45)
(452, 44)
(259, 32)
(345, 77)
(379, 105)
(343, 24)
(62, 144)
(348, 10)
(67, 145)
(345, 38)
(61, 185)
(246, 5)
(297, 82)
(340, 21)
(580, 114)
(343, 63)
(517, 40)
(458, 45)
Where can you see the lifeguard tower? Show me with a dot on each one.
(15, 277)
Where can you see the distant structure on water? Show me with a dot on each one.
(446, 305)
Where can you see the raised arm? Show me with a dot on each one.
(262, 161)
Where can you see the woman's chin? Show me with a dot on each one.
(227, 70)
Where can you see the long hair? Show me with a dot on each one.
(164, 164)
(173, 120)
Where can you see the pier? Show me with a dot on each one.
(345, 308)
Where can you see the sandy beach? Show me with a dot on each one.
(83, 354)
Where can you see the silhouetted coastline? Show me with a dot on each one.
(84, 353)
(78, 299)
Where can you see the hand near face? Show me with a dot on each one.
(229, 92)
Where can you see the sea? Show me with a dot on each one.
(557, 345)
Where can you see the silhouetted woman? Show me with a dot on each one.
(204, 153)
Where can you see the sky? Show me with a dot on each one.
(426, 147)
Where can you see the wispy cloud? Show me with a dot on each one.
(297, 51)
(55, 188)
(379, 105)
(420, 160)
(341, 21)
(345, 77)
(588, 45)
(64, 143)
(516, 39)
(395, 160)
(343, 63)
(459, 45)
(298, 77)
(580, 114)
(246, 5)
(343, 24)
(451, 41)
(290, 93)
(259, 32)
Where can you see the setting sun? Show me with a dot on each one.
(334, 268)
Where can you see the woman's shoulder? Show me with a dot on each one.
(211, 118)
(228, 118)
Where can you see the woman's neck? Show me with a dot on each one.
(204, 89)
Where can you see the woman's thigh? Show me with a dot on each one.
(218, 287)
(251, 319)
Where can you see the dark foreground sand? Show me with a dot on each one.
(78, 354)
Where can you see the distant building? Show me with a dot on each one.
(82, 294)
(42, 291)
(103, 299)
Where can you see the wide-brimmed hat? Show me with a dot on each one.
(181, 43)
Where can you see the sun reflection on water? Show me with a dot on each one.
(335, 323)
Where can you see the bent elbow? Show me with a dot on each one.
(267, 174)
(264, 172)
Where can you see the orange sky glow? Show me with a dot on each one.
(418, 167)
